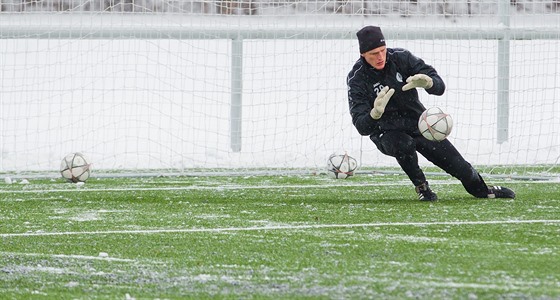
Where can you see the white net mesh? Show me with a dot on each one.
(178, 85)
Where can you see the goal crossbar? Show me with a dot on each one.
(110, 26)
(124, 32)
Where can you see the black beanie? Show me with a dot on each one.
(370, 37)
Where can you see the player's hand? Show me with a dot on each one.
(418, 80)
(381, 101)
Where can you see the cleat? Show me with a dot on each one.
(425, 193)
(500, 192)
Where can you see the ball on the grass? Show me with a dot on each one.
(75, 167)
(434, 124)
(341, 166)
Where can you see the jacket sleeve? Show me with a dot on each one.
(360, 106)
(417, 66)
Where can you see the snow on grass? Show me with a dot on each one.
(283, 227)
(66, 256)
(223, 241)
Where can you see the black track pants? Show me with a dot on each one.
(442, 154)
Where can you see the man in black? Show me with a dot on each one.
(382, 74)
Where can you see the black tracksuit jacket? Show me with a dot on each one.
(404, 108)
(401, 115)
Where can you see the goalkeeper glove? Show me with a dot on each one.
(381, 101)
(418, 80)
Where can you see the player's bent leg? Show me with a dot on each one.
(444, 155)
(403, 147)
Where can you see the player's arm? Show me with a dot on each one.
(424, 76)
(364, 114)
(360, 107)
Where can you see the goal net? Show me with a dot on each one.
(180, 86)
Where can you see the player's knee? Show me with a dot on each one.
(406, 154)
(405, 146)
(396, 144)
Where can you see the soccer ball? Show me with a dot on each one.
(75, 167)
(434, 124)
(340, 166)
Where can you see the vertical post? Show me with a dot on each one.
(503, 73)
(236, 93)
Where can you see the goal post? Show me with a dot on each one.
(259, 86)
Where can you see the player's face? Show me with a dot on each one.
(376, 57)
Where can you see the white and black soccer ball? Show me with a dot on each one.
(341, 166)
(434, 124)
(75, 167)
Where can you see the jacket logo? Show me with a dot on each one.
(399, 77)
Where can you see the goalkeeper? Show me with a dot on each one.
(384, 105)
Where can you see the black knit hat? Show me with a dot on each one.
(370, 37)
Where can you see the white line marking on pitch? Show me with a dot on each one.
(190, 188)
(287, 227)
(85, 257)
(229, 187)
